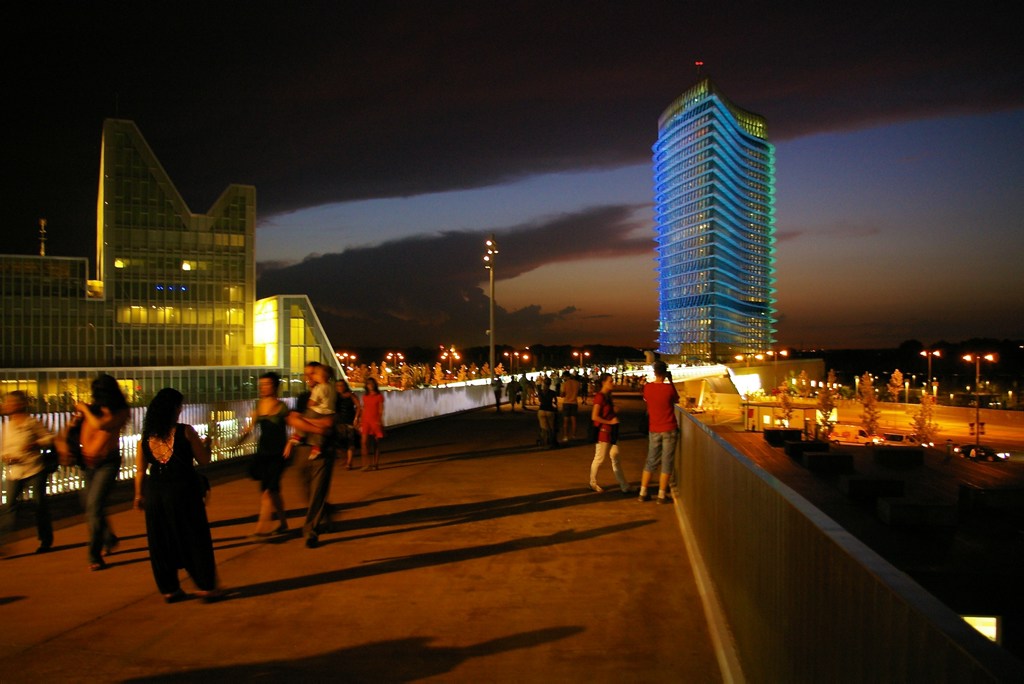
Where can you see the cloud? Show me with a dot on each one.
(426, 289)
(841, 230)
(326, 104)
(267, 266)
(787, 235)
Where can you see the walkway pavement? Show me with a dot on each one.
(471, 555)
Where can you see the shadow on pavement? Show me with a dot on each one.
(396, 660)
(402, 563)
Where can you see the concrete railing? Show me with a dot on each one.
(792, 597)
(411, 406)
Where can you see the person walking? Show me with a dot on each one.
(546, 414)
(168, 489)
(661, 398)
(315, 471)
(371, 424)
(93, 440)
(346, 418)
(570, 392)
(496, 386)
(512, 392)
(23, 437)
(607, 423)
(268, 463)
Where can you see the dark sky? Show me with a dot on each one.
(336, 104)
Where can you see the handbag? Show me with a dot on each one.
(51, 460)
(73, 437)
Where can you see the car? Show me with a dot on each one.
(853, 434)
(980, 452)
(901, 439)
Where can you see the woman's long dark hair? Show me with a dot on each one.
(162, 414)
(106, 392)
(376, 387)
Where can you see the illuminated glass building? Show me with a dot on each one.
(173, 302)
(714, 195)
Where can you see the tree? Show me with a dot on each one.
(827, 398)
(438, 374)
(803, 385)
(895, 385)
(785, 403)
(711, 404)
(869, 402)
(925, 428)
(358, 375)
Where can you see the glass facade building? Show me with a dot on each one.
(173, 304)
(714, 197)
(173, 300)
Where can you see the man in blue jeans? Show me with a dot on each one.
(661, 398)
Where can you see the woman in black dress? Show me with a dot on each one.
(268, 462)
(168, 488)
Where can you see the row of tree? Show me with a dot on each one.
(923, 425)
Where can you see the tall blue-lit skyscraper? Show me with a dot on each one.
(714, 197)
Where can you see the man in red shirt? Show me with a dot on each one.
(661, 398)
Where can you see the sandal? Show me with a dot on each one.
(95, 567)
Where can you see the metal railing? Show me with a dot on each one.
(802, 600)
(223, 421)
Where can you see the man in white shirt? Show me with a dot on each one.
(23, 438)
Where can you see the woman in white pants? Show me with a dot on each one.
(607, 424)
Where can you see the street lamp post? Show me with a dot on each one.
(489, 259)
(451, 354)
(928, 354)
(775, 364)
(977, 358)
(581, 356)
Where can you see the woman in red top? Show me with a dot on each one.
(371, 424)
(604, 418)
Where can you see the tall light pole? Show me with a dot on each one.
(489, 259)
(775, 364)
(976, 358)
(928, 354)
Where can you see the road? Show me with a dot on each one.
(1004, 430)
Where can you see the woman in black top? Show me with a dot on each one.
(546, 413)
(268, 463)
(346, 416)
(168, 488)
